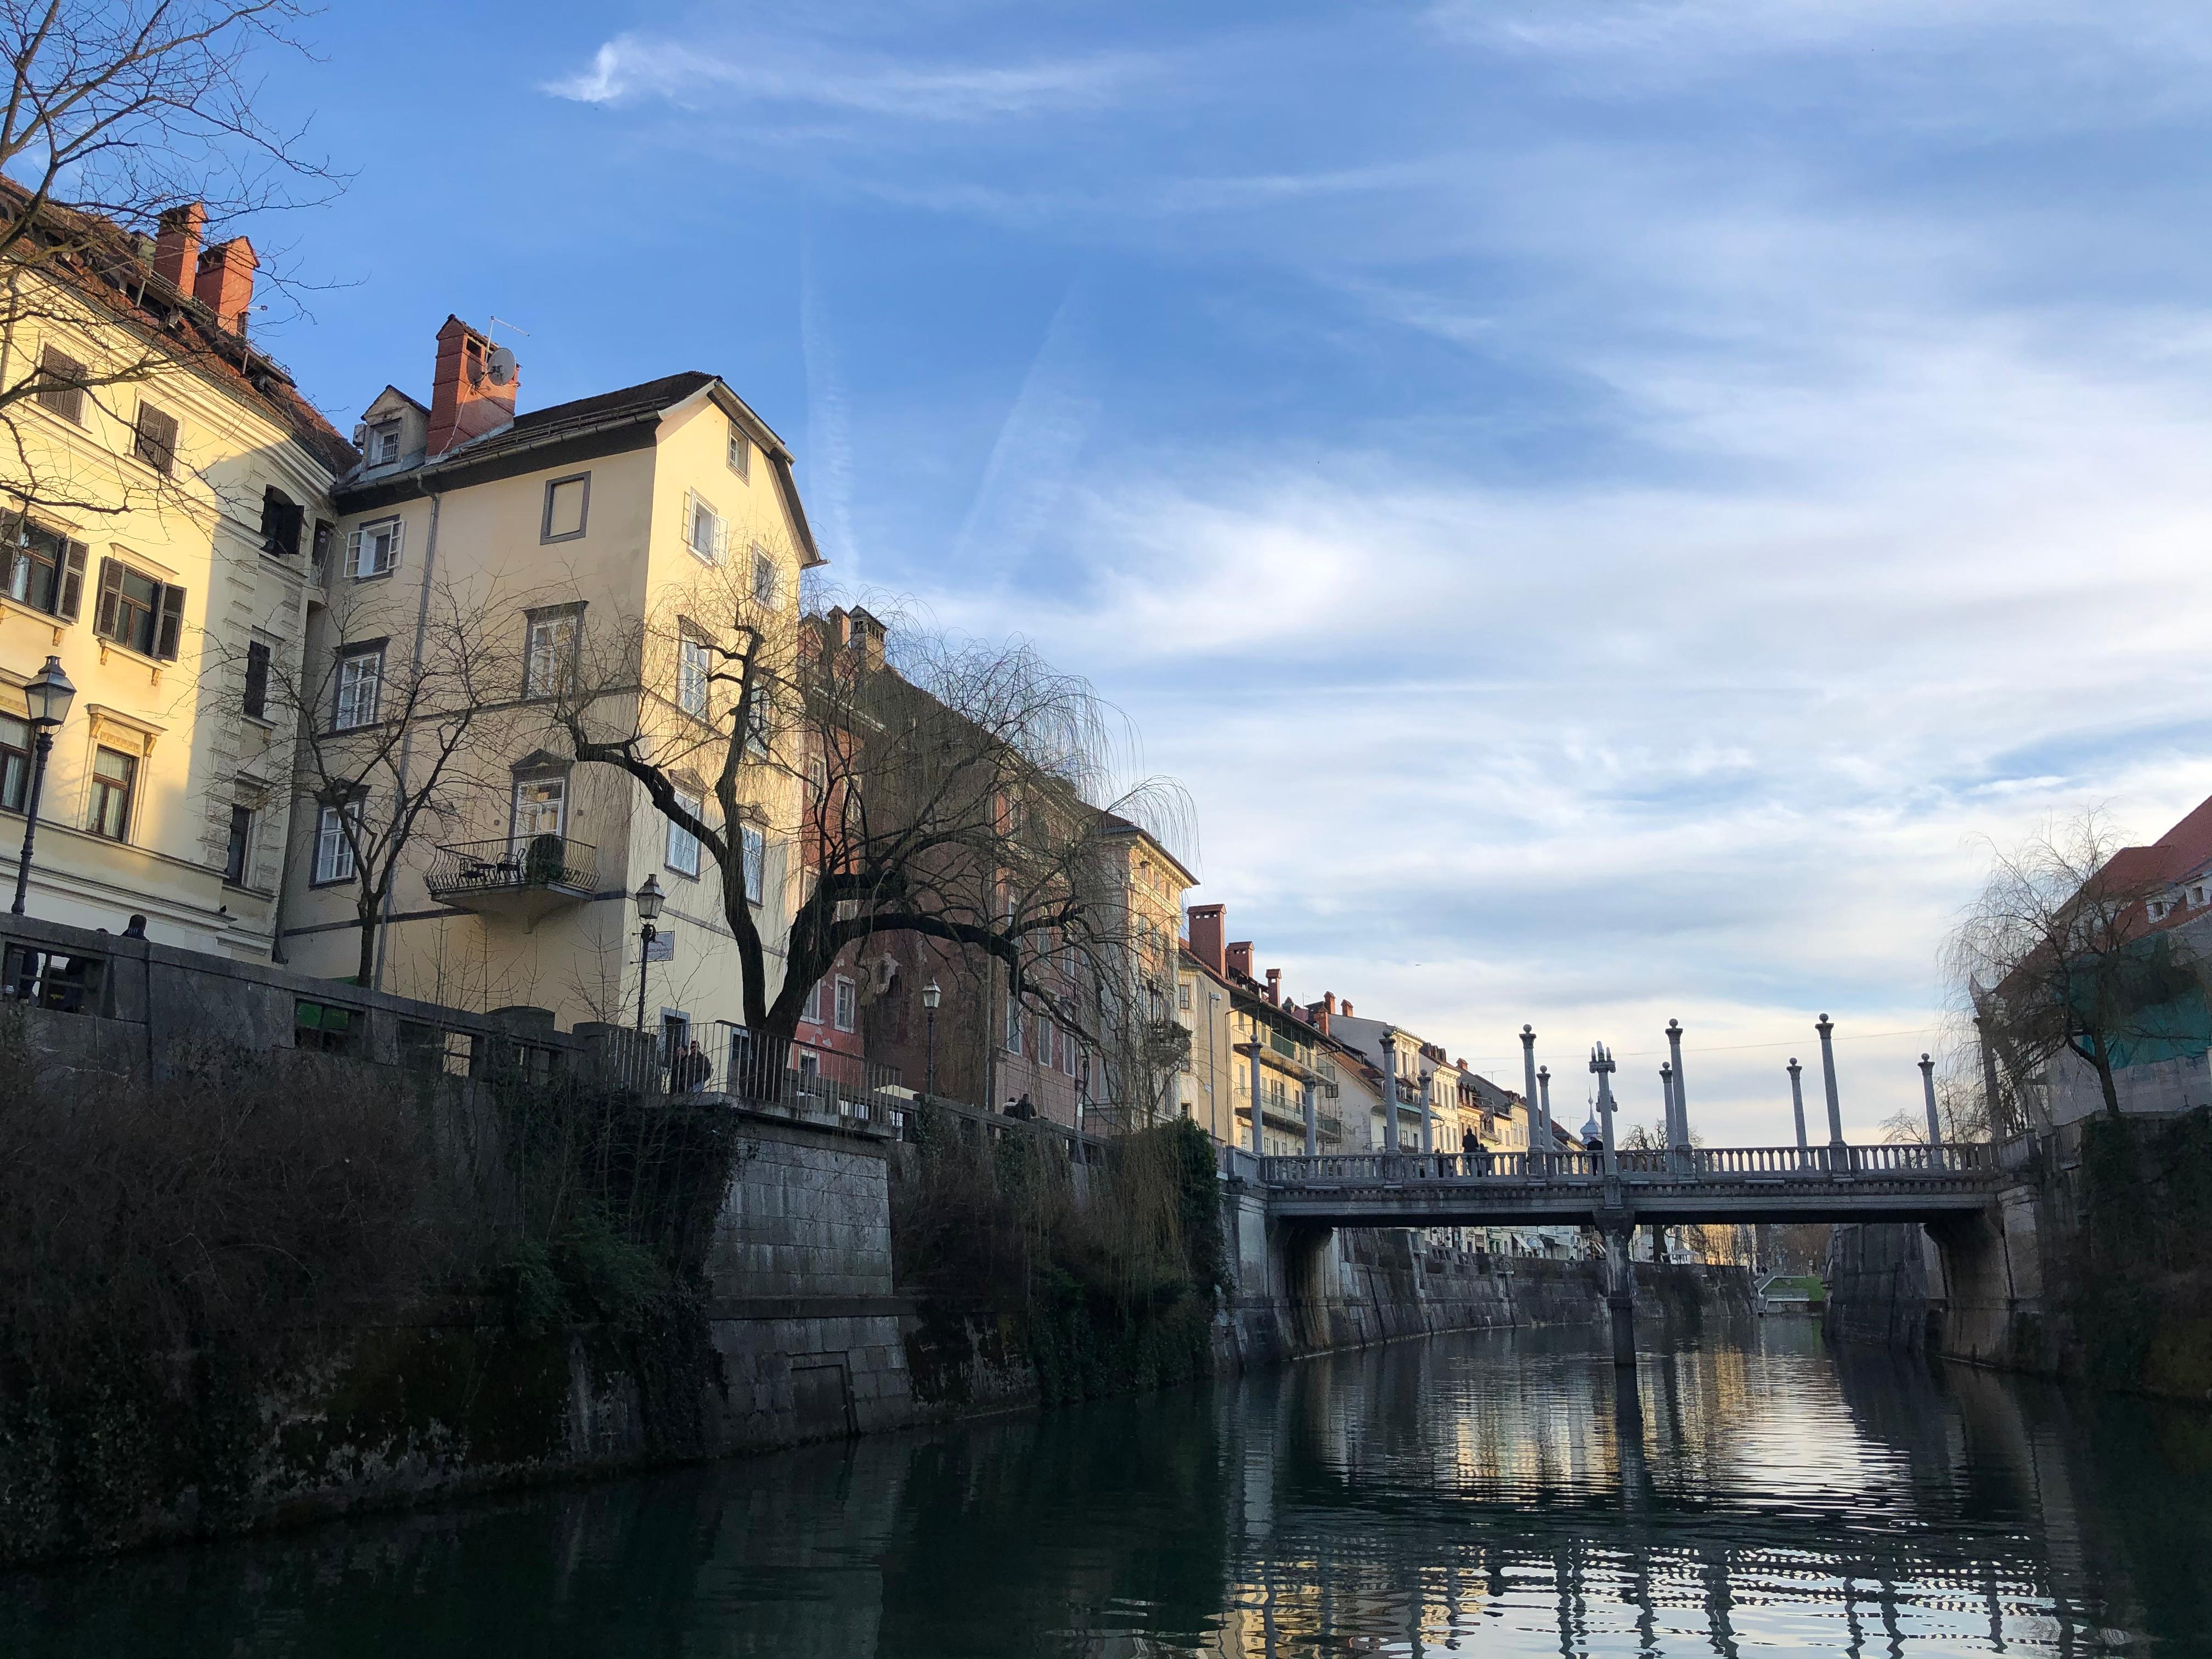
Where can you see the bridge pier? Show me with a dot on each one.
(1621, 1287)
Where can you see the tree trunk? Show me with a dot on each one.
(2104, 1063)
(368, 963)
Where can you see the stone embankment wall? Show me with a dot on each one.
(2096, 1265)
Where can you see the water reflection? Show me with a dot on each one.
(1492, 1493)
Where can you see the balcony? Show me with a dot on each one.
(521, 879)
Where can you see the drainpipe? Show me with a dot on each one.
(407, 737)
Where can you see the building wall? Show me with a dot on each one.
(181, 720)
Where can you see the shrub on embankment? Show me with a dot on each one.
(2140, 1282)
(267, 1275)
(1106, 1276)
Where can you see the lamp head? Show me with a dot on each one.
(649, 899)
(930, 993)
(48, 694)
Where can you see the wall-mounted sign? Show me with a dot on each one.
(663, 948)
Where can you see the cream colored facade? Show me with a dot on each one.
(164, 796)
(588, 510)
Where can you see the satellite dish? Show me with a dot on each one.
(501, 365)
(361, 435)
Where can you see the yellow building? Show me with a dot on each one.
(1236, 1019)
(556, 546)
(172, 493)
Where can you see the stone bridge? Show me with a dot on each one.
(1971, 1199)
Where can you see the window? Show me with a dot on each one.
(323, 1025)
(1014, 1026)
(373, 550)
(361, 684)
(756, 858)
(241, 846)
(540, 807)
(695, 669)
(44, 571)
(550, 666)
(61, 385)
(333, 851)
(282, 522)
(114, 776)
(741, 454)
(567, 500)
(1182, 998)
(139, 611)
(321, 542)
(682, 845)
(154, 440)
(811, 1012)
(14, 761)
(848, 1004)
(257, 680)
(704, 532)
(768, 581)
(384, 443)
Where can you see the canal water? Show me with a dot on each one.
(1490, 1493)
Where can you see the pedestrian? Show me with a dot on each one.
(691, 1070)
(137, 929)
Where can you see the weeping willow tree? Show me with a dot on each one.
(914, 782)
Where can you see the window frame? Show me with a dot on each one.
(64, 563)
(164, 607)
(738, 453)
(238, 854)
(551, 615)
(392, 427)
(694, 504)
(752, 861)
(810, 1011)
(369, 651)
(546, 535)
(687, 643)
(845, 1007)
(356, 538)
(326, 818)
(253, 701)
(696, 805)
(101, 792)
(16, 762)
(518, 838)
(769, 597)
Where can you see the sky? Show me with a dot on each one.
(1607, 508)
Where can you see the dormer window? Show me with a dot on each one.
(384, 443)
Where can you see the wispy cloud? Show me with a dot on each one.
(633, 68)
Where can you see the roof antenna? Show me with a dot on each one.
(501, 322)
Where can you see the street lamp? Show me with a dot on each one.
(648, 897)
(930, 994)
(48, 695)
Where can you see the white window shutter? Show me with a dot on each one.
(353, 552)
(721, 541)
(399, 540)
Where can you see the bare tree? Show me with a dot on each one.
(919, 785)
(121, 116)
(395, 714)
(2059, 952)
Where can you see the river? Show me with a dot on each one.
(1482, 1494)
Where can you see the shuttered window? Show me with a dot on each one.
(138, 611)
(373, 550)
(44, 571)
(154, 439)
(61, 385)
(282, 522)
(704, 532)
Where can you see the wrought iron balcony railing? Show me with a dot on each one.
(516, 864)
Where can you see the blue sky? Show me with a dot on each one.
(1600, 503)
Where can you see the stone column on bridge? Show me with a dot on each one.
(1540, 1125)
(1389, 1041)
(1797, 1102)
(1678, 1126)
(1666, 1106)
(1935, 1123)
(1313, 1129)
(1620, 1284)
(1601, 1064)
(1428, 1111)
(1839, 1157)
(1550, 1143)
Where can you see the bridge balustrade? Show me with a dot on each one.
(1638, 1165)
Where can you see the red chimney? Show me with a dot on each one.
(1347, 1010)
(465, 402)
(176, 249)
(1206, 926)
(1275, 985)
(1240, 957)
(1319, 1012)
(225, 282)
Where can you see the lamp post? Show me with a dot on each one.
(47, 696)
(648, 897)
(930, 993)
